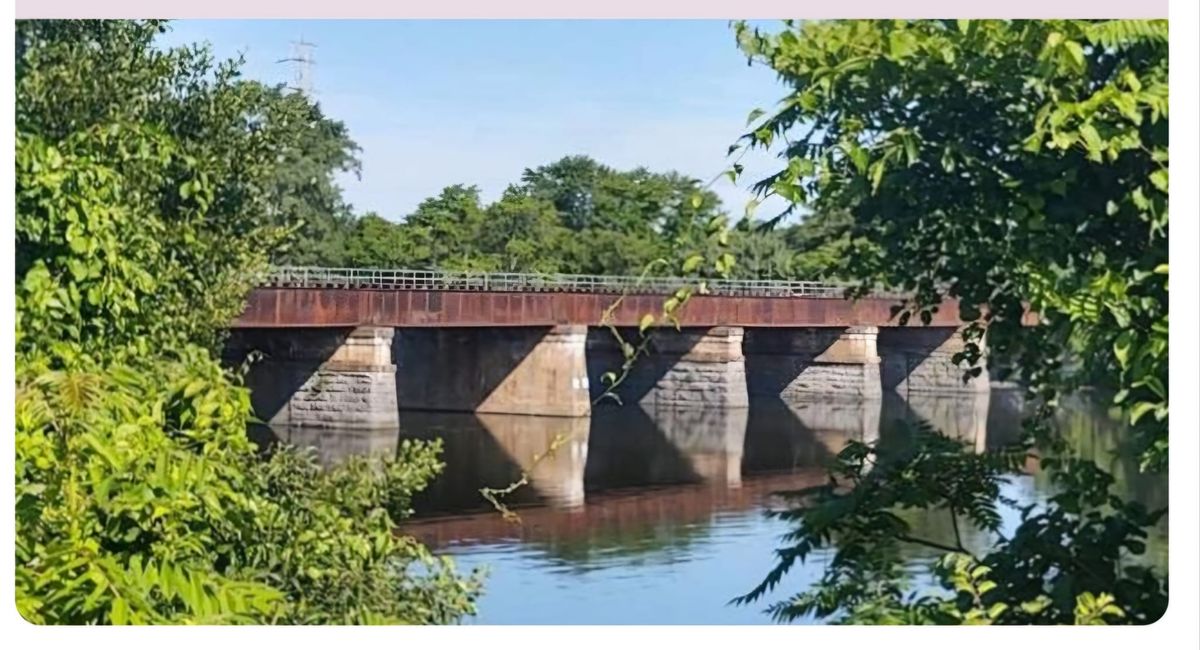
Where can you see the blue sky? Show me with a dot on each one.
(434, 103)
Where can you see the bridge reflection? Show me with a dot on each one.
(633, 468)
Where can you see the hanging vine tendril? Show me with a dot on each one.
(693, 266)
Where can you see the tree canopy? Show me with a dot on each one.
(1012, 165)
(149, 191)
(576, 215)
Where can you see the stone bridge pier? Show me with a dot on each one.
(362, 377)
(791, 363)
(320, 377)
(506, 370)
(691, 367)
(921, 360)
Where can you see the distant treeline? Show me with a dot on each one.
(574, 215)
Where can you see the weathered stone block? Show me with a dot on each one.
(517, 370)
(322, 378)
(689, 367)
(794, 362)
(921, 360)
(699, 367)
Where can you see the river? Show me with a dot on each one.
(645, 517)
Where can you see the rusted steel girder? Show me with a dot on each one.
(351, 307)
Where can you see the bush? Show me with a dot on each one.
(141, 182)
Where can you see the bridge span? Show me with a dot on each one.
(352, 347)
(310, 297)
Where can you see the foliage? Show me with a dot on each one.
(141, 500)
(375, 242)
(303, 192)
(578, 216)
(1011, 165)
(1006, 164)
(144, 196)
(1066, 561)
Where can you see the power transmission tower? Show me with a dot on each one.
(302, 63)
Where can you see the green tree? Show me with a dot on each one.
(304, 192)
(1008, 164)
(144, 179)
(443, 228)
(763, 255)
(570, 184)
(589, 196)
(375, 242)
(523, 234)
(571, 216)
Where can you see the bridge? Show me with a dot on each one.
(317, 297)
(352, 347)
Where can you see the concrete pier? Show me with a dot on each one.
(792, 363)
(920, 360)
(704, 367)
(693, 367)
(333, 378)
(516, 370)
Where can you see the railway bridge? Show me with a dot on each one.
(352, 347)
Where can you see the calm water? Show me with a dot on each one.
(660, 517)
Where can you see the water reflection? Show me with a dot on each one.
(642, 446)
(332, 445)
(666, 505)
(711, 442)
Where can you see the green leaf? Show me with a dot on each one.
(910, 149)
(1139, 410)
(1159, 178)
(1036, 606)
(948, 162)
(1075, 50)
(692, 263)
(1091, 140)
(754, 115)
(902, 44)
(119, 611)
(646, 322)
(193, 388)
(724, 263)
(1062, 139)
(877, 170)
(858, 156)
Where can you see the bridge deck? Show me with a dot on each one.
(293, 297)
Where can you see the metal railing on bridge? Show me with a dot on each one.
(404, 279)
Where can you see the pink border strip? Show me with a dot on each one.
(748, 9)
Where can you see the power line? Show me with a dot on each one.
(302, 66)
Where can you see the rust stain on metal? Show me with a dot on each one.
(304, 307)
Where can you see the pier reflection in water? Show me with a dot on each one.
(658, 516)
